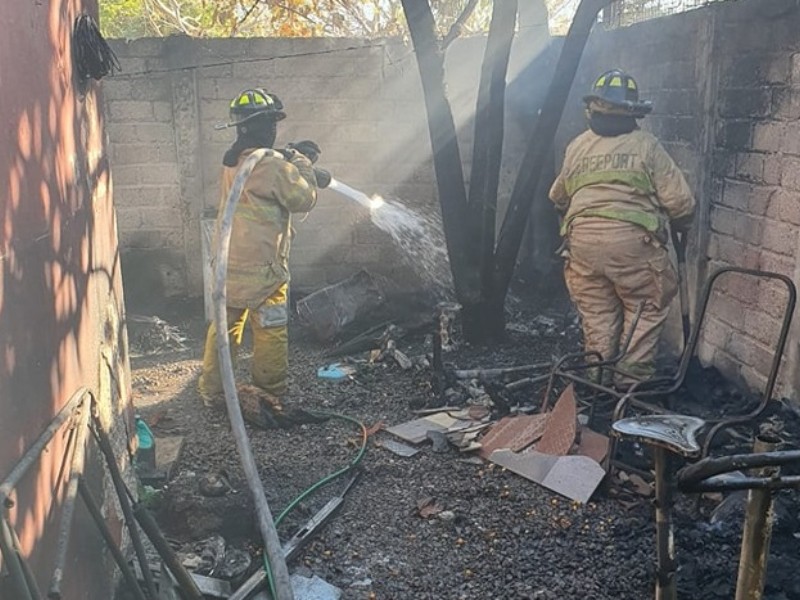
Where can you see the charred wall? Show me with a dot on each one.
(61, 314)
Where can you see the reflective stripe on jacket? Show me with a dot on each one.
(629, 178)
(258, 262)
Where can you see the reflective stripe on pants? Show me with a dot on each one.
(270, 366)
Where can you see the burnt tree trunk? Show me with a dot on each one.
(446, 155)
(539, 148)
(481, 322)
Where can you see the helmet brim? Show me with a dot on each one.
(632, 109)
(275, 115)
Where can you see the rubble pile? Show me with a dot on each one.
(469, 488)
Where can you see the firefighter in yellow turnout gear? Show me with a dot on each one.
(281, 184)
(618, 192)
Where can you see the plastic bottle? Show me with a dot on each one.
(146, 453)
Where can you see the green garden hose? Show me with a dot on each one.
(325, 480)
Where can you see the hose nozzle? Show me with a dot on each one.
(323, 177)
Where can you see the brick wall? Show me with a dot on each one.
(754, 199)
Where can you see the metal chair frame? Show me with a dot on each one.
(568, 367)
(646, 396)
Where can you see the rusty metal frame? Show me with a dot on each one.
(20, 574)
(568, 366)
(711, 474)
(21, 577)
(88, 421)
(662, 387)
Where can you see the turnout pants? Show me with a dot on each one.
(269, 327)
(612, 267)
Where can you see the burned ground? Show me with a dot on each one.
(494, 534)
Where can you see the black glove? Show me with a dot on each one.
(307, 148)
(682, 224)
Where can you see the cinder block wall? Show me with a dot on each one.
(361, 101)
(724, 82)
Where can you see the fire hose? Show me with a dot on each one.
(274, 559)
(269, 534)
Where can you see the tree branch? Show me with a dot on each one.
(246, 15)
(355, 15)
(540, 145)
(458, 26)
(446, 155)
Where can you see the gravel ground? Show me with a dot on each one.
(498, 535)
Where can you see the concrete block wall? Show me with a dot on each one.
(361, 101)
(146, 181)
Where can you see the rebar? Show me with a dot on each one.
(122, 494)
(26, 568)
(97, 517)
(13, 562)
(35, 451)
(186, 584)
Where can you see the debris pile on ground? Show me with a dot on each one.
(153, 335)
(433, 516)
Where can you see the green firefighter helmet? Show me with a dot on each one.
(251, 103)
(616, 93)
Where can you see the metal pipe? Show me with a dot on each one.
(13, 562)
(26, 568)
(498, 372)
(731, 484)
(76, 472)
(665, 551)
(709, 467)
(757, 533)
(187, 585)
(776, 359)
(525, 382)
(122, 494)
(33, 453)
(97, 517)
(560, 369)
(272, 544)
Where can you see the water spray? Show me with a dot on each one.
(418, 235)
(370, 202)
